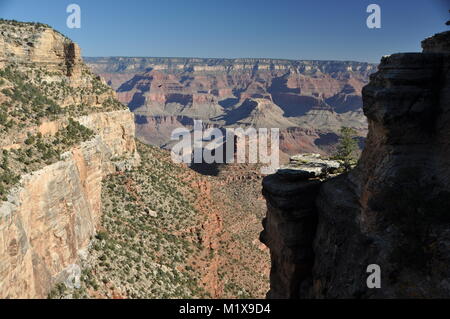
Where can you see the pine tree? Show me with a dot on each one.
(347, 147)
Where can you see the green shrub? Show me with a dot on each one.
(102, 236)
(347, 147)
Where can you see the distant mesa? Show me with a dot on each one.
(318, 97)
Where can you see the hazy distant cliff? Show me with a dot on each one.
(297, 96)
(392, 210)
(136, 65)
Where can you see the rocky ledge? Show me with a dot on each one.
(392, 210)
(291, 222)
(308, 166)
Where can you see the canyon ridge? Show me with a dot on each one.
(309, 101)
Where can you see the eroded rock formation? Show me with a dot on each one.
(392, 210)
(294, 96)
(48, 218)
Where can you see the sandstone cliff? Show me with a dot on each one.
(62, 133)
(391, 210)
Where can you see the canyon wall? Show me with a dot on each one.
(48, 221)
(49, 217)
(39, 44)
(295, 96)
(392, 210)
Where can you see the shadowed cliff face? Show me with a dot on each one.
(391, 210)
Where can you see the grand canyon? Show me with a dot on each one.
(93, 206)
(309, 101)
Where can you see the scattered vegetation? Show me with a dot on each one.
(37, 152)
(32, 94)
(146, 243)
(151, 244)
(35, 96)
(30, 26)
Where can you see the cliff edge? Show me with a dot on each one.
(392, 210)
(61, 133)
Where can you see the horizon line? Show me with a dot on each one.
(229, 59)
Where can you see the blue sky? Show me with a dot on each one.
(291, 29)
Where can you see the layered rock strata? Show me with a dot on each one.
(294, 96)
(49, 217)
